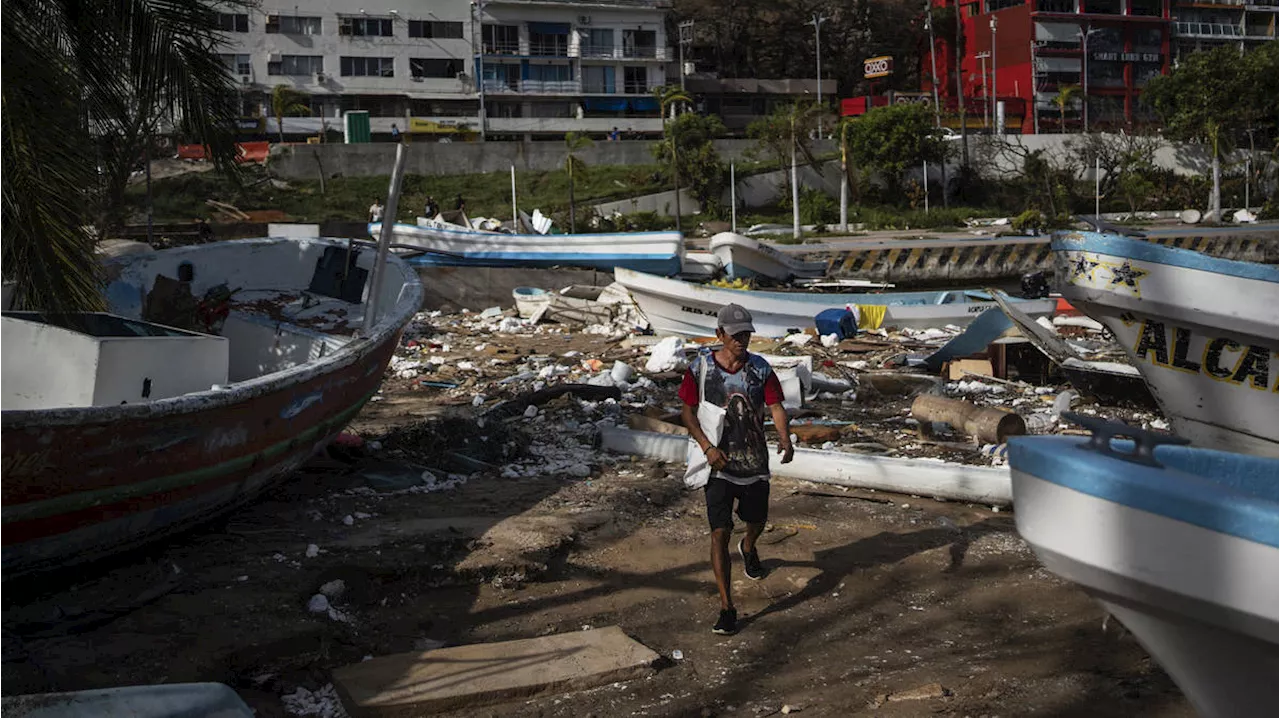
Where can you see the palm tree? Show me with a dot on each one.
(287, 102)
(85, 86)
(668, 96)
(574, 165)
(1066, 95)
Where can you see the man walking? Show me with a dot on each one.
(742, 384)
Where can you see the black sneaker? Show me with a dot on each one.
(751, 562)
(727, 625)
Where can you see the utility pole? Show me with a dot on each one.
(1084, 71)
(686, 37)
(964, 122)
(986, 96)
(817, 38)
(477, 7)
(1035, 91)
(995, 94)
(933, 67)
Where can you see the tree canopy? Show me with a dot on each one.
(696, 158)
(894, 139)
(1217, 95)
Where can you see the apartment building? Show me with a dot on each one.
(1205, 24)
(538, 68)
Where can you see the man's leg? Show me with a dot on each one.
(753, 533)
(753, 509)
(720, 565)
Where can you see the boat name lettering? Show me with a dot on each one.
(19, 465)
(1220, 359)
(695, 310)
(978, 308)
(225, 438)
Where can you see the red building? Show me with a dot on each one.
(1112, 47)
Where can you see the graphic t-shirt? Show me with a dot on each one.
(743, 395)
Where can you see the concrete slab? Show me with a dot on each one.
(421, 683)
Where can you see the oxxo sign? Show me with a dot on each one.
(877, 67)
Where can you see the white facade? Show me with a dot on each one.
(550, 67)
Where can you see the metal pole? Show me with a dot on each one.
(479, 10)
(1097, 187)
(1035, 91)
(1084, 58)
(926, 186)
(1246, 184)
(515, 211)
(995, 93)
(146, 154)
(682, 61)
(384, 240)
(986, 96)
(964, 122)
(817, 37)
(933, 69)
(733, 199)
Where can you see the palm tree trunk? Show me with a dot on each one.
(675, 179)
(1215, 194)
(573, 215)
(844, 182)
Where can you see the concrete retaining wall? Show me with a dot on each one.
(478, 288)
(295, 161)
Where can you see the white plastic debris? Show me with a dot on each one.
(312, 550)
(530, 411)
(322, 703)
(621, 372)
(478, 400)
(830, 340)
(799, 339)
(666, 355)
(348, 520)
(491, 312)
(677, 654)
(319, 603)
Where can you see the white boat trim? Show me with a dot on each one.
(746, 258)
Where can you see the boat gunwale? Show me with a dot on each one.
(1144, 251)
(584, 237)
(352, 352)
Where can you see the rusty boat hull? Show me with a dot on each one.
(81, 483)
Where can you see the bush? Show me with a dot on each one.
(817, 208)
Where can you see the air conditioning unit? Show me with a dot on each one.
(273, 57)
(584, 19)
(246, 80)
(320, 78)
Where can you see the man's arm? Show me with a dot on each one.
(715, 456)
(782, 423)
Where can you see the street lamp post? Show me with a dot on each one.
(1035, 91)
(817, 37)
(686, 37)
(986, 96)
(933, 67)
(1084, 74)
(478, 8)
(995, 95)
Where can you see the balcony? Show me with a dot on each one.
(532, 87)
(549, 49)
(625, 88)
(502, 47)
(560, 125)
(636, 88)
(1208, 30)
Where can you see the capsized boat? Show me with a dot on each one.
(444, 243)
(217, 370)
(1201, 330)
(1178, 543)
(746, 258)
(676, 307)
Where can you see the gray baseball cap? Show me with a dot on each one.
(733, 318)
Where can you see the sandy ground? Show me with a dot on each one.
(875, 604)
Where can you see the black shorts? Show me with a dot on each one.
(753, 502)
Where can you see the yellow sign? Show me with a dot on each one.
(418, 125)
(877, 67)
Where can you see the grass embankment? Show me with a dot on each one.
(181, 199)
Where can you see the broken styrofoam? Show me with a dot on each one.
(666, 355)
(986, 485)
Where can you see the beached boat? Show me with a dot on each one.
(746, 258)
(1203, 331)
(218, 370)
(446, 244)
(676, 307)
(1178, 543)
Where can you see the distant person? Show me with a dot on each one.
(461, 203)
(375, 211)
(395, 133)
(745, 389)
(433, 208)
(614, 136)
(204, 231)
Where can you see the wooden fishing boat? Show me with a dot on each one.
(676, 307)
(1178, 543)
(447, 244)
(746, 258)
(218, 370)
(1201, 330)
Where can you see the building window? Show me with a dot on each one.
(296, 65)
(639, 43)
(435, 30)
(293, 25)
(552, 109)
(635, 80)
(544, 44)
(435, 67)
(237, 64)
(501, 78)
(598, 79)
(1101, 7)
(501, 39)
(596, 42)
(1106, 74)
(1059, 6)
(994, 5)
(367, 67)
(1143, 72)
(365, 26)
(233, 22)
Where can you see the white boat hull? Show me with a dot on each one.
(676, 307)
(1202, 603)
(746, 258)
(1204, 340)
(450, 245)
